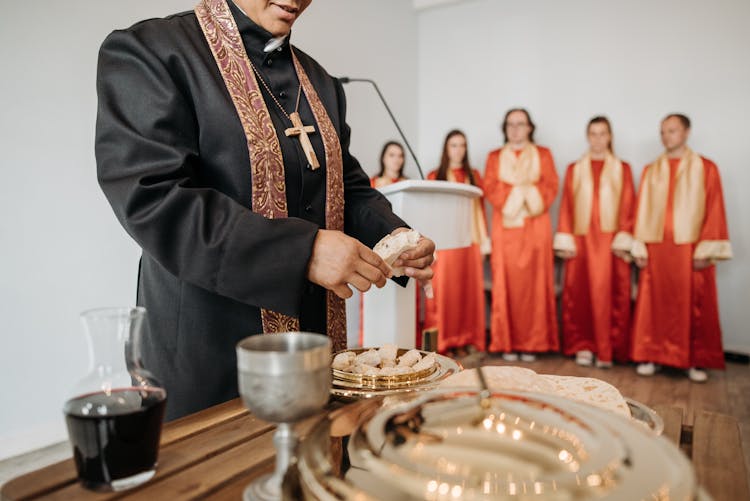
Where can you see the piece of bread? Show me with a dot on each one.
(591, 391)
(501, 378)
(388, 353)
(370, 357)
(582, 389)
(343, 361)
(391, 247)
(383, 361)
(426, 362)
(409, 358)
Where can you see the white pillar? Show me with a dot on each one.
(390, 315)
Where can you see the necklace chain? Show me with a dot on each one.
(268, 89)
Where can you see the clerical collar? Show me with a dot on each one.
(256, 38)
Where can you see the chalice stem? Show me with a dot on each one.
(285, 442)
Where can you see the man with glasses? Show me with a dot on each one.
(521, 184)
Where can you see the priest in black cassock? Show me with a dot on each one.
(224, 153)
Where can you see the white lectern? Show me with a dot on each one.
(439, 210)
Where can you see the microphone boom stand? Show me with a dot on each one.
(345, 80)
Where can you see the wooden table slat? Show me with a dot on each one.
(717, 457)
(62, 474)
(205, 477)
(233, 491)
(245, 462)
(182, 455)
(40, 482)
(187, 426)
(673, 419)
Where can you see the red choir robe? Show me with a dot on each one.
(380, 181)
(523, 299)
(676, 320)
(596, 291)
(457, 308)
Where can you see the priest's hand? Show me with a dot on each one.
(339, 260)
(565, 254)
(701, 264)
(416, 262)
(641, 262)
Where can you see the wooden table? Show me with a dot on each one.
(217, 452)
(713, 443)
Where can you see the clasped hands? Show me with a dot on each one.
(339, 261)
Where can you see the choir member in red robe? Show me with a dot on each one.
(680, 234)
(521, 184)
(457, 308)
(392, 160)
(594, 236)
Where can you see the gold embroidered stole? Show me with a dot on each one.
(688, 203)
(610, 189)
(522, 171)
(266, 161)
(479, 234)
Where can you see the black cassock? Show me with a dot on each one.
(172, 160)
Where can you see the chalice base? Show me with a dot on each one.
(264, 488)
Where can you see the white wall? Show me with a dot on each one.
(62, 249)
(374, 39)
(634, 61)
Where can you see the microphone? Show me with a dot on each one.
(346, 80)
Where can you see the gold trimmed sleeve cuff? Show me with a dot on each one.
(623, 241)
(564, 242)
(715, 250)
(533, 200)
(639, 250)
(514, 203)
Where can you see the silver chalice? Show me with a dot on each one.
(283, 378)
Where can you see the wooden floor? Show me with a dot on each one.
(726, 392)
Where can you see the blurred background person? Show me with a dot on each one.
(392, 161)
(594, 237)
(457, 308)
(521, 184)
(680, 233)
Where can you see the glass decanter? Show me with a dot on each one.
(114, 414)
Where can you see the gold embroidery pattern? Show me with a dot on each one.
(335, 306)
(274, 322)
(266, 161)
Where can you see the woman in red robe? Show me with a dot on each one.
(392, 162)
(521, 184)
(680, 233)
(457, 308)
(594, 236)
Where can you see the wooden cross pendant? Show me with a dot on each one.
(302, 130)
